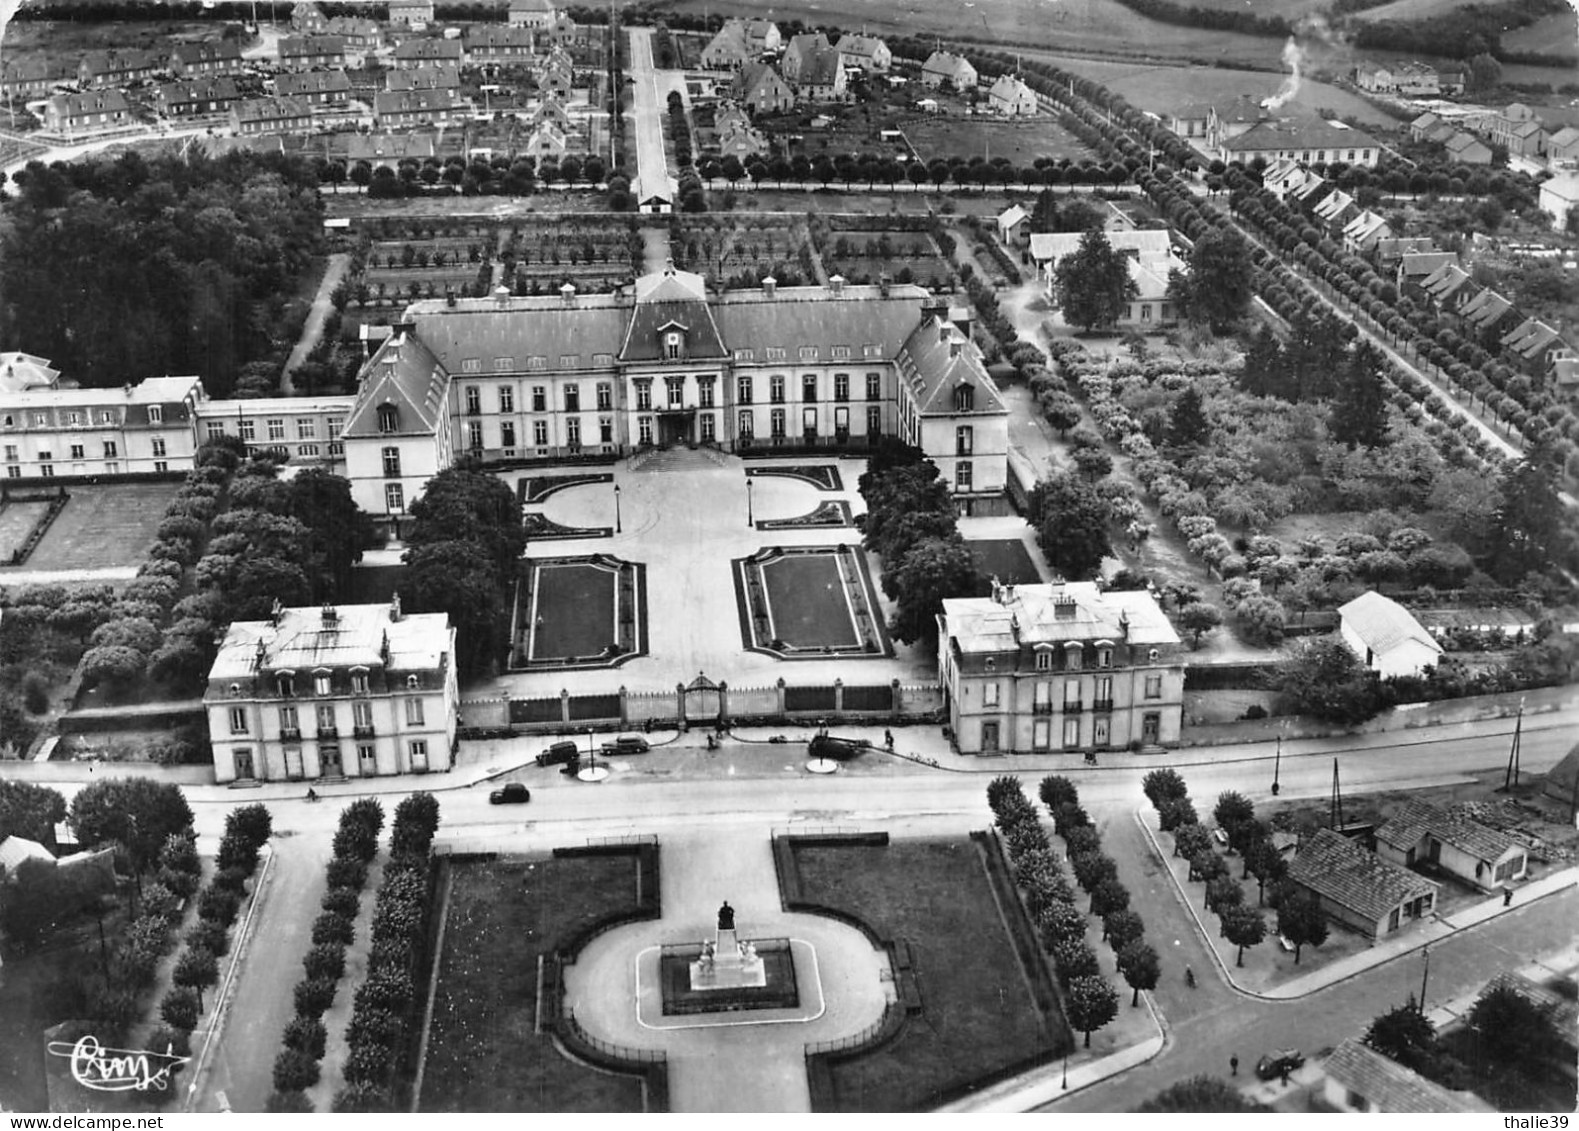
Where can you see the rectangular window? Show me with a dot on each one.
(336, 424)
(874, 420)
(572, 398)
(708, 428)
(540, 433)
(1101, 730)
(644, 429)
(306, 428)
(414, 716)
(247, 430)
(808, 353)
(841, 353)
(506, 399)
(507, 434)
(747, 424)
(605, 395)
(161, 465)
(277, 429)
(155, 414)
(368, 756)
(537, 361)
(503, 364)
(964, 440)
(874, 386)
(539, 398)
(13, 472)
(158, 447)
(1071, 695)
(676, 391)
(110, 449)
(288, 719)
(1072, 733)
(473, 400)
(215, 428)
(704, 392)
(777, 424)
(644, 395)
(394, 498)
(238, 720)
(391, 463)
(573, 431)
(419, 755)
(1041, 734)
(569, 360)
(362, 713)
(77, 452)
(324, 713)
(776, 390)
(359, 683)
(841, 386)
(743, 390)
(774, 353)
(47, 470)
(605, 429)
(989, 695)
(808, 388)
(1154, 687)
(841, 425)
(474, 436)
(963, 475)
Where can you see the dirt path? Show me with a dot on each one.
(339, 263)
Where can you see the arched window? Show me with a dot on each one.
(235, 691)
(412, 683)
(1074, 656)
(287, 682)
(321, 684)
(1152, 655)
(965, 398)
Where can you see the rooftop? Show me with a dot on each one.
(1382, 623)
(1390, 1086)
(1055, 614)
(1415, 819)
(1336, 868)
(343, 636)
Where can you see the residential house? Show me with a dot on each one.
(1421, 128)
(307, 18)
(1388, 252)
(741, 41)
(1416, 80)
(1310, 141)
(1527, 139)
(1467, 149)
(1237, 117)
(1011, 98)
(554, 74)
(1517, 129)
(306, 52)
(759, 88)
(428, 53)
(91, 112)
(1037, 668)
(1449, 287)
(814, 68)
(1414, 267)
(1490, 316)
(1312, 193)
(362, 37)
(763, 36)
(445, 77)
(197, 97)
(1534, 345)
(1285, 176)
(1558, 197)
(1189, 120)
(16, 851)
(1355, 1077)
(414, 14)
(1423, 834)
(389, 150)
(1450, 79)
(1014, 226)
(944, 67)
(743, 142)
(547, 139)
(50, 432)
(493, 45)
(119, 68)
(1150, 256)
(271, 116)
(868, 52)
(348, 691)
(316, 88)
(398, 110)
(1359, 889)
(1386, 638)
(1562, 148)
(199, 60)
(302, 431)
(1378, 78)
(550, 109)
(729, 116)
(26, 373)
(26, 79)
(1336, 210)
(532, 13)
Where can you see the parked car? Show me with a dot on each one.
(1279, 1064)
(558, 753)
(627, 744)
(513, 794)
(837, 749)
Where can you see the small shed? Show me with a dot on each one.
(1386, 636)
(1014, 225)
(1421, 833)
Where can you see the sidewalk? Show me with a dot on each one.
(1383, 952)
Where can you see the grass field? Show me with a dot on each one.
(1549, 35)
(978, 1016)
(104, 525)
(483, 1055)
(1020, 142)
(1006, 559)
(808, 603)
(16, 523)
(374, 585)
(576, 606)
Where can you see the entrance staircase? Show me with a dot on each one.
(678, 459)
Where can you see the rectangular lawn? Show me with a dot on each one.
(104, 525)
(807, 601)
(576, 603)
(1006, 559)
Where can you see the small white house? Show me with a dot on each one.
(1386, 636)
(1422, 834)
(1014, 225)
(1360, 1079)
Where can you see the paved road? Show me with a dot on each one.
(339, 263)
(648, 108)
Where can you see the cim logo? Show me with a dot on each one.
(117, 1070)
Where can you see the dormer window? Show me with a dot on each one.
(235, 691)
(388, 418)
(359, 681)
(1104, 657)
(287, 683)
(1044, 661)
(1074, 657)
(673, 343)
(965, 398)
(321, 684)
(412, 683)
(1153, 655)
(991, 664)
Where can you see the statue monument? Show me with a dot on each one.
(725, 962)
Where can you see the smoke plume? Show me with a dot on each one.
(1294, 60)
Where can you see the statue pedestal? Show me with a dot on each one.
(728, 965)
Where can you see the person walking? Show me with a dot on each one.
(888, 740)
(1233, 1065)
(1507, 897)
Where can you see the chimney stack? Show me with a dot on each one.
(331, 619)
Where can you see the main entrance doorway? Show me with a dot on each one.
(675, 428)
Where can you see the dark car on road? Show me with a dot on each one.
(835, 748)
(1279, 1064)
(627, 744)
(513, 794)
(559, 753)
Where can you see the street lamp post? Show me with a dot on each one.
(1066, 1068)
(592, 751)
(618, 527)
(750, 516)
(1425, 975)
(1277, 765)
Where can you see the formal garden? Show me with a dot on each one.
(809, 602)
(578, 612)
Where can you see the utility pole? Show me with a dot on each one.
(1511, 778)
(1336, 815)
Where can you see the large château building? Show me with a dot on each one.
(1037, 668)
(341, 691)
(667, 362)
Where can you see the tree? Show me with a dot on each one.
(196, 967)
(180, 1008)
(1218, 289)
(1529, 526)
(1198, 619)
(459, 578)
(112, 664)
(1060, 410)
(1058, 922)
(1109, 896)
(1261, 619)
(1514, 1030)
(295, 1070)
(1188, 425)
(1232, 809)
(1200, 1094)
(1243, 926)
(1054, 790)
(1359, 406)
(30, 811)
(1301, 921)
(1093, 284)
(1223, 891)
(1327, 680)
(136, 813)
(1091, 1003)
(339, 528)
(932, 570)
(1403, 1034)
(1266, 372)
(1122, 927)
(1138, 962)
(1072, 522)
(463, 505)
(1485, 72)
(1093, 462)
(1163, 785)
